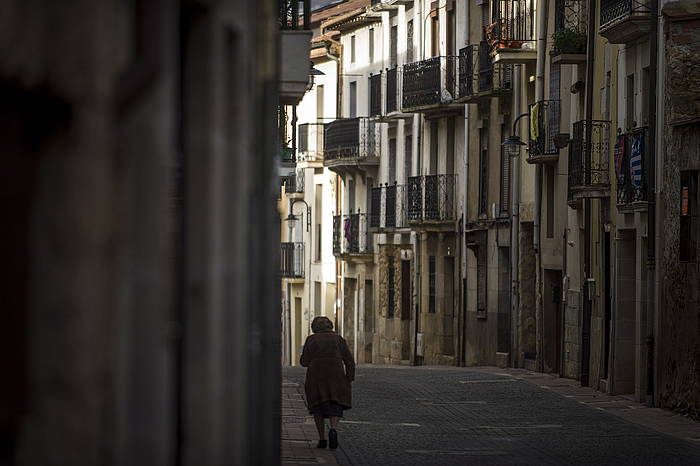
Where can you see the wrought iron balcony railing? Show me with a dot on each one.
(295, 182)
(292, 260)
(351, 234)
(479, 76)
(544, 127)
(389, 207)
(570, 34)
(351, 138)
(392, 89)
(589, 160)
(513, 25)
(617, 11)
(289, 14)
(287, 155)
(310, 142)
(428, 82)
(431, 198)
(375, 94)
(630, 157)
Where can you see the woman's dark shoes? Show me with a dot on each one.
(333, 439)
(321, 444)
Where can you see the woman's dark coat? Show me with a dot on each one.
(324, 354)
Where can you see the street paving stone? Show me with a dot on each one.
(464, 416)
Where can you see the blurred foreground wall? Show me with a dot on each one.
(140, 312)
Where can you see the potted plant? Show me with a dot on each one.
(569, 41)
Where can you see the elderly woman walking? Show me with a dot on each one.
(331, 369)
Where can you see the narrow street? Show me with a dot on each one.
(439, 416)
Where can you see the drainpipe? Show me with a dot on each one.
(465, 210)
(651, 196)
(539, 96)
(515, 233)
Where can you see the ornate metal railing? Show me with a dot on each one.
(428, 82)
(513, 25)
(570, 21)
(612, 11)
(431, 198)
(375, 94)
(392, 89)
(544, 127)
(351, 234)
(287, 155)
(630, 158)
(389, 207)
(351, 138)
(589, 155)
(479, 75)
(292, 260)
(289, 13)
(295, 181)
(310, 142)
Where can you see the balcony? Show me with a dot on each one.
(351, 235)
(589, 160)
(389, 208)
(375, 95)
(295, 45)
(351, 143)
(310, 142)
(630, 157)
(511, 35)
(544, 129)
(431, 200)
(570, 34)
(292, 260)
(479, 77)
(287, 156)
(623, 21)
(295, 182)
(428, 84)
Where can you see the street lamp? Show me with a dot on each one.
(312, 73)
(513, 143)
(291, 218)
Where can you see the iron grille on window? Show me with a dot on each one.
(295, 181)
(589, 156)
(612, 11)
(504, 200)
(391, 89)
(351, 138)
(311, 141)
(431, 198)
(544, 127)
(337, 233)
(292, 260)
(513, 24)
(428, 82)
(289, 13)
(375, 94)
(570, 20)
(479, 75)
(389, 209)
(630, 156)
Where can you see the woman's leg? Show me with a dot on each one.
(320, 426)
(334, 421)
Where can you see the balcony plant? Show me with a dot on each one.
(569, 41)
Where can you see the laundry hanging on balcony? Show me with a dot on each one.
(535, 121)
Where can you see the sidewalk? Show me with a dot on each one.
(299, 436)
(622, 406)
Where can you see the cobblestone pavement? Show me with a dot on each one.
(490, 416)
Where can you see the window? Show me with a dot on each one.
(393, 46)
(629, 104)
(504, 200)
(435, 32)
(450, 146)
(352, 49)
(431, 284)
(319, 101)
(689, 216)
(390, 291)
(433, 147)
(483, 170)
(481, 285)
(392, 161)
(318, 210)
(351, 196)
(408, 157)
(353, 99)
(549, 174)
(371, 45)
(645, 96)
(409, 41)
